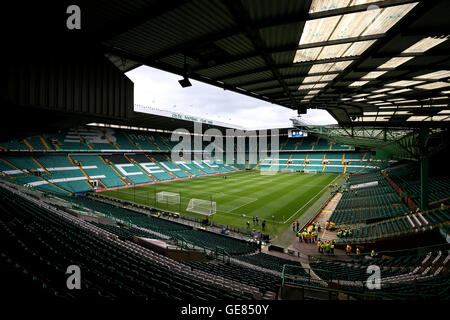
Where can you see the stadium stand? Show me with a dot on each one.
(125, 273)
(406, 177)
(88, 177)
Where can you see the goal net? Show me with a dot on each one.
(168, 197)
(310, 171)
(201, 206)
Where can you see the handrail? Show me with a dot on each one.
(445, 246)
(380, 294)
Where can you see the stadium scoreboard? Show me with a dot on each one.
(296, 134)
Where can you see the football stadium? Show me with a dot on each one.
(101, 201)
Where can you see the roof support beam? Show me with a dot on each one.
(169, 68)
(294, 18)
(395, 30)
(285, 65)
(290, 77)
(152, 11)
(242, 18)
(290, 48)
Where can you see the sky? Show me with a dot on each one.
(160, 89)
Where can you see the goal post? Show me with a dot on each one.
(168, 197)
(310, 171)
(200, 206)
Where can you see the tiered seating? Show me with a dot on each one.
(128, 169)
(17, 176)
(157, 139)
(126, 232)
(178, 231)
(40, 243)
(335, 165)
(58, 169)
(368, 177)
(431, 288)
(331, 168)
(400, 226)
(215, 166)
(141, 140)
(306, 144)
(189, 167)
(407, 178)
(391, 267)
(14, 145)
(99, 138)
(152, 167)
(36, 143)
(111, 141)
(22, 162)
(439, 189)
(358, 215)
(200, 166)
(164, 141)
(122, 142)
(68, 141)
(211, 241)
(369, 203)
(262, 280)
(271, 262)
(413, 276)
(64, 173)
(338, 271)
(289, 144)
(322, 144)
(334, 157)
(98, 168)
(316, 162)
(171, 167)
(354, 157)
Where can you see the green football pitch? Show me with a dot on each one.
(279, 198)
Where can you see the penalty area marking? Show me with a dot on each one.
(235, 208)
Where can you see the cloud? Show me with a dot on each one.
(160, 89)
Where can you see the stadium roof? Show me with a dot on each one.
(367, 62)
